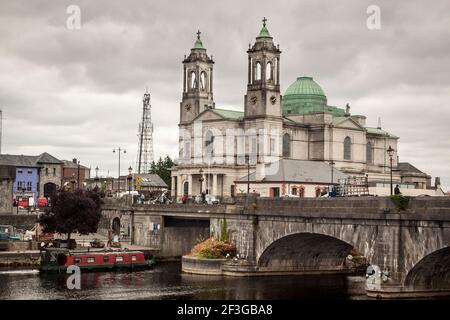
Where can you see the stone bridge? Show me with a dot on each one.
(276, 236)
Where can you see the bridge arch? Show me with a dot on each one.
(432, 271)
(305, 252)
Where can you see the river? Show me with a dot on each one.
(166, 281)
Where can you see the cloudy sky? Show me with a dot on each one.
(77, 93)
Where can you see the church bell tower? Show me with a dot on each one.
(197, 83)
(263, 97)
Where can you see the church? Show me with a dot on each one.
(294, 144)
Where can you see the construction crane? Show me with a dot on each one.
(145, 135)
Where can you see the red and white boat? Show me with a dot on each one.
(58, 259)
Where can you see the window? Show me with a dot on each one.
(105, 258)
(209, 144)
(258, 71)
(369, 153)
(19, 185)
(269, 71)
(203, 80)
(90, 260)
(77, 260)
(20, 171)
(29, 186)
(119, 259)
(193, 80)
(46, 171)
(30, 172)
(232, 190)
(275, 192)
(301, 192)
(186, 188)
(286, 145)
(54, 171)
(294, 191)
(347, 148)
(133, 258)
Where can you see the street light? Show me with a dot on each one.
(332, 163)
(96, 177)
(247, 159)
(390, 152)
(201, 179)
(129, 178)
(119, 150)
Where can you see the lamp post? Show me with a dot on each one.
(96, 177)
(78, 174)
(332, 163)
(129, 178)
(201, 179)
(390, 152)
(247, 159)
(119, 151)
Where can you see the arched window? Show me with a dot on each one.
(193, 80)
(209, 144)
(186, 188)
(269, 71)
(258, 71)
(369, 153)
(203, 80)
(286, 145)
(347, 148)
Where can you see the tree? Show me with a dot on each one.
(162, 169)
(71, 212)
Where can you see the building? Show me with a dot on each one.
(291, 178)
(74, 174)
(7, 178)
(215, 144)
(35, 176)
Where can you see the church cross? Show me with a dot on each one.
(198, 34)
(264, 20)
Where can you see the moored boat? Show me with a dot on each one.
(58, 259)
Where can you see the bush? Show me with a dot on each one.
(400, 201)
(213, 249)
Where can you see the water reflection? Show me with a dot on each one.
(167, 282)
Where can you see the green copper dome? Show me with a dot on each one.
(264, 33)
(304, 96)
(304, 85)
(198, 43)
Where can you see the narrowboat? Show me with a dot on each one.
(58, 259)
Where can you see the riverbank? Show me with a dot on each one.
(28, 258)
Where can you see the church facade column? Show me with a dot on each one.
(190, 184)
(214, 185)
(173, 189)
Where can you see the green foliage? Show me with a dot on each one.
(400, 201)
(213, 249)
(161, 168)
(224, 230)
(70, 212)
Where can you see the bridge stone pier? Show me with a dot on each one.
(409, 249)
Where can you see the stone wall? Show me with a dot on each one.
(22, 221)
(6, 196)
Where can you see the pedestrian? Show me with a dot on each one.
(184, 199)
(397, 190)
(203, 197)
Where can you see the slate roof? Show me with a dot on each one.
(290, 170)
(71, 164)
(408, 167)
(28, 161)
(151, 180)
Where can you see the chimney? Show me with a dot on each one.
(437, 182)
(74, 160)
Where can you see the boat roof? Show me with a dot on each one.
(90, 252)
